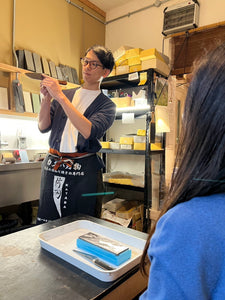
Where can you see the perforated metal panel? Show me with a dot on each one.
(181, 17)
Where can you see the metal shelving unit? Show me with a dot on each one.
(124, 81)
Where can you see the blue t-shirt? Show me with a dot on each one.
(187, 252)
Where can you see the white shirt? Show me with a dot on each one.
(82, 100)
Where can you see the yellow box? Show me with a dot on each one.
(127, 140)
(122, 70)
(149, 54)
(122, 61)
(135, 68)
(120, 51)
(105, 145)
(141, 132)
(133, 52)
(122, 101)
(156, 146)
(142, 146)
(113, 73)
(134, 61)
(139, 146)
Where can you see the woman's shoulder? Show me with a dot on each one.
(205, 209)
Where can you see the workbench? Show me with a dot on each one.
(29, 272)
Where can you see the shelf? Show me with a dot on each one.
(138, 111)
(122, 81)
(124, 186)
(10, 113)
(28, 84)
(131, 152)
(11, 69)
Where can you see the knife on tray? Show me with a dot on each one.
(95, 260)
(39, 76)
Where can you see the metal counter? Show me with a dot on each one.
(19, 182)
(29, 272)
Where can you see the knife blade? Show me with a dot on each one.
(39, 76)
(95, 260)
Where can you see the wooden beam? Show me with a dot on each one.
(202, 28)
(94, 7)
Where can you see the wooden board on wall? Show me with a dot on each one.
(190, 46)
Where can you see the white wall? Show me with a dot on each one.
(10, 127)
(143, 29)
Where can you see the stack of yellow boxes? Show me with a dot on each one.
(140, 142)
(151, 58)
(134, 61)
(130, 60)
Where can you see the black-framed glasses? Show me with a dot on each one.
(92, 63)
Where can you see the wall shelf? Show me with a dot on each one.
(124, 82)
(9, 73)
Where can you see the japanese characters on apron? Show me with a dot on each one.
(63, 181)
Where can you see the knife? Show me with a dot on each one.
(95, 260)
(39, 76)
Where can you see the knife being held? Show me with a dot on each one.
(39, 76)
(95, 260)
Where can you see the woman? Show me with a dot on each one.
(77, 118)
(186, 249)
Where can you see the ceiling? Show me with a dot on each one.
(107, 5)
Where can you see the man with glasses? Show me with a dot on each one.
(77, 119)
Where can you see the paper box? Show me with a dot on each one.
(134, 61)
(127, 140)
(128, 210)
(113, 73)
(122, 70)
(120, 52)
(126, 147)
(114, 205)
(105, 145)
(134, 52)
(113, 145)
(139, 146)
(122, 101)
(139, 138)
(122, 61)
(141, 132)
(135, 68)
(149, 54)
(156, 64)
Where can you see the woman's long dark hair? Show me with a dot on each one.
(200, 159)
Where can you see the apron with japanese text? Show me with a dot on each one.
(64, 183)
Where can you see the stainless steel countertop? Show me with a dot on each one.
(20, 166)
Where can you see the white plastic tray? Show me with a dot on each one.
(62, 240)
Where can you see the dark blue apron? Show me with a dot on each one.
(64, 183)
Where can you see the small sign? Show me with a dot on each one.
(143, 78)
(133, 76)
